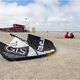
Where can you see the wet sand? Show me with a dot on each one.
(62, 65)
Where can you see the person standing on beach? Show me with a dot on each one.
(66, 35)
(71, 35)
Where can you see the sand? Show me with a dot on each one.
(62, 65)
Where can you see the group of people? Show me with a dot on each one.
(67, 35)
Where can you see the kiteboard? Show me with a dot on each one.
(20, 49)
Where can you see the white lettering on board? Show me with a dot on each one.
(41, 44)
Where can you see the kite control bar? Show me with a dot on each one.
(17, 37)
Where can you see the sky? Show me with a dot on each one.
(25, 2)
(44, 15)
(19, 2)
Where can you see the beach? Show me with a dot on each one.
(64, 64)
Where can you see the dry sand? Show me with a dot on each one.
(63, 65)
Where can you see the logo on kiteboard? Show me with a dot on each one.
(21, 51)
(41, 44)
(14, 44)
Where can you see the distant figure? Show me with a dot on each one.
(33, 29)
(66, 35)
(71, 35)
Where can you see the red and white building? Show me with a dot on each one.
(15, 28)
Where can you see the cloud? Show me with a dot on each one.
(10, 13)
(43, 14)
(73, 10)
